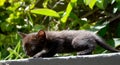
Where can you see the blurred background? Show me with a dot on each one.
(99, 16)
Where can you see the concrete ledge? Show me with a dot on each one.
(98, 59)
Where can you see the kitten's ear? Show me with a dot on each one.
(23, 35)
(41, 34)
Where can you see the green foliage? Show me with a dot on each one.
(101, 16)
(10, 47)
(47, 12)
(15, 53)
(2, 2)
(68, 10)
(91, 3)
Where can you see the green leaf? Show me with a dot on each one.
(102, 4)
(73, 1)
(91, 3)
(2, 2)
(47, 12)
(66, 14)
(118, 1)
(111, 42)
(68, 10)
(45, 3)
(102, 31)
(85, 26)
(87, 2)
(117, 6)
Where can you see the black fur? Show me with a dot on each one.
(48, 43)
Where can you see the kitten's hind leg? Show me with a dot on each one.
(89, 49)
(84, 45)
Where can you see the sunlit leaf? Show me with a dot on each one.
(32, 6)
(87, 2)
(92, 3)
(66, 14)
(68, 10)
(2, 2)
(47, 12)
(45, 3)
(73, 1)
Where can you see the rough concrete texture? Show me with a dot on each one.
(98, 59)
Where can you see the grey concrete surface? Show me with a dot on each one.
(97, 59)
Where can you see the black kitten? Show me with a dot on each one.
(48, 43)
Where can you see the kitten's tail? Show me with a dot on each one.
(102, 43)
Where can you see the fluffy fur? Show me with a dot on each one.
(48, 43)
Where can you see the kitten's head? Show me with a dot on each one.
(33, 42)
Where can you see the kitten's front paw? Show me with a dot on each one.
(37, 56)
